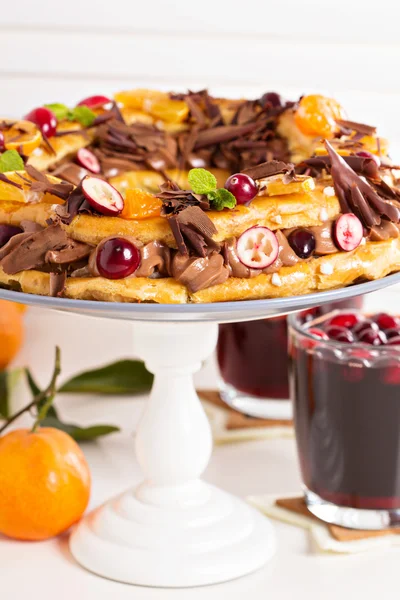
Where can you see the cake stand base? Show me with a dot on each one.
(173, 530)
(205, 536)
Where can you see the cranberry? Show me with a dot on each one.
(88, 160)
(7, 232)
(94, 101)
(2, 142)
(365, 325)
(347, 320)
(242, 186)
(45, 119)
(104, 197)
(372, 337)
(318, 333)
(392, 333)
(394, 341)
(365, 154)
(339, 334)
(271, 98)
(348, 231)
(303, 242)
(385, 321)
(117, 258)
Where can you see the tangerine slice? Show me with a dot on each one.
(157, 104)
(11, 193)
(23, 136)
(140, 205)
(316, 115)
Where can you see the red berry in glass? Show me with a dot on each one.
(394, 341)
(117, 258)
(303, 242)
(318, 333)
(392, 333)
(45, 119)
(364, 325)
(385, 321)
(372, 337)
(242, 186)
(347, 320)
(339, 334)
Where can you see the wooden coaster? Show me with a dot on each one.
(342, 534)
(237, 420)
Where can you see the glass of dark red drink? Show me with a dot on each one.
(253, 364)
(345, 385)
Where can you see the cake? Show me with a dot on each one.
(177, 198)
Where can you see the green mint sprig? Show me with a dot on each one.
(202, 181)
(10, 160)
(81, 114)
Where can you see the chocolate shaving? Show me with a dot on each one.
(5, 179)
(175, 200)
(57, 283)
(357, 195)
(360, 164)
(76, 204)
(360, 128)
(42, 184)
(193, 231)
(270, 168)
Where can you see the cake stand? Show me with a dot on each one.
(173, 529)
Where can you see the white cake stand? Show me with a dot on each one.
(175, 530)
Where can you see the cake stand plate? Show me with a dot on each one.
(173, 529)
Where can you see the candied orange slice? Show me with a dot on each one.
(375, 145)
(157, 104)
(140, 205)
(150, 181)
(275, 186)
(23, 136)
(316, 115)
(11, 193)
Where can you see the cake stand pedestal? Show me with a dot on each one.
(173, 529)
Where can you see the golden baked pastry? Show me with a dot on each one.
(188, 198)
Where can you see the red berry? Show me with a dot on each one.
(348, 232)
(45, 119)
(7, 232)
(394, 341)
(392, 333)
(364, 325)
(271, 98)
(372, 337)
(243, 187)
(365, 154)
(88, 160)
(303, 242)
(318, 333)
(102, 196)
(117, 258)
(257, 247)
(339, 334)
(2, 142)
(347, 320)
(94, 101)
(385, 321)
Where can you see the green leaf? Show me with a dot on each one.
(82, 114)
(80, 434)
(35, 391)
(60, 111)
(10, 160)
(201, 181)
(8, 381)
(221, 199)
(121, 377)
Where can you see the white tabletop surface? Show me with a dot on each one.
(46, 570)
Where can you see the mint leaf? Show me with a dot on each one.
(10, 160)
(201, 181)
(82, 114)
(60, 111)
(221, 199)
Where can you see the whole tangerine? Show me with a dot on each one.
(11, 332)
(44, 483)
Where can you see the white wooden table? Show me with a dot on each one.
(47, 571)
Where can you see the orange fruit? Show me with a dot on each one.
(316, 115)
(157, 104)
(11, 332)
(10, 193)
(44, 483)
(22, 136)
(139, 204)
